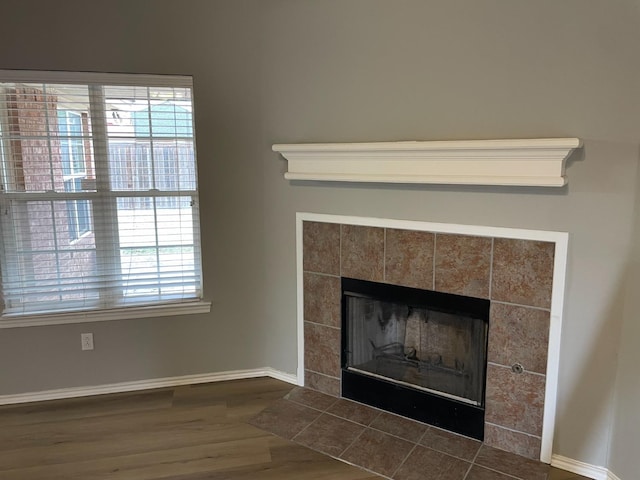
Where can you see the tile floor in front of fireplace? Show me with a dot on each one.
(392, 446)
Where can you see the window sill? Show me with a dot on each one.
(127, 313)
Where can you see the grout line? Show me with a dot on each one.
(493, 469)
(468, 471)
(473, 462)
(335, 400)
(321, 274)
(404, 460)
(306, 405)
(419, 442)
(448, 454)
(475, 457)
(513, 430)
(323, 325)
(305, 428)
(377, 410)
(384, 255)
(433, 262)
(378, 474)
(376, 417)
(491, 269)
(498, 471)
(509, 367)
(387, 433)
(521, 305)
(453, 433)
(324, 375)
(345, 419)
(354, 440)
(340, 251)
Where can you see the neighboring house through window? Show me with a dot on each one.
(99, 193)
(74, 170)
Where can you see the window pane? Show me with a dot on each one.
(177, 265)
(44, 226)
(50, 262)
(136, 222)
(34, 221)
(157, 239)
(174, 166)
(130, 165)
(175, 221)
(83, 207)
(158, 273)
(77, 157)
(75, 123)
(48, 134)
(139, 272)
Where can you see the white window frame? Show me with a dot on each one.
(197, 306)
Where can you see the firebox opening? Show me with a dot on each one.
(418, 351)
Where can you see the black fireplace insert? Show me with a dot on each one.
(417, 353)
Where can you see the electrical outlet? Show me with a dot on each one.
(87, 341)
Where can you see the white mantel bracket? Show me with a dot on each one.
(536, 162)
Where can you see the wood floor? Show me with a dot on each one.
(185, 433)
(193, 432)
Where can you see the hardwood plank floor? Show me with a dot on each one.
(185, 433)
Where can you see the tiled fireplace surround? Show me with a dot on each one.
(515, 275)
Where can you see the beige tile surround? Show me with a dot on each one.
(516, 275)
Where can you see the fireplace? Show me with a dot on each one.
(418, 353)
(518, 273)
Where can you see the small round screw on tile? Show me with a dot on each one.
(517, 368)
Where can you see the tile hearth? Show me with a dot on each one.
(389, 445)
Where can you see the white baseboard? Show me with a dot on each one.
(278, 375)
(146, 385)
(581, 468)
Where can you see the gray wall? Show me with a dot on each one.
(626, 426)
(454, 70)
(286, 71)
(216, 43)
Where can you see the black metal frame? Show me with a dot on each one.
(441, 411)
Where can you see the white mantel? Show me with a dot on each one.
(528, 162)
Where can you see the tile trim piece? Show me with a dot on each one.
(560, 239)
(137, 385)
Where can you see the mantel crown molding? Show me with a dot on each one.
(526, 162)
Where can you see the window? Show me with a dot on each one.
(74, 170)
(99, 193)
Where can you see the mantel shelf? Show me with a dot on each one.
(536, 162)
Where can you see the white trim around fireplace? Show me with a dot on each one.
(560, 239)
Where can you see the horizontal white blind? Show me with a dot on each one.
(87, 78)
(99, 195)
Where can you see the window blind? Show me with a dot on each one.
(99, 193)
